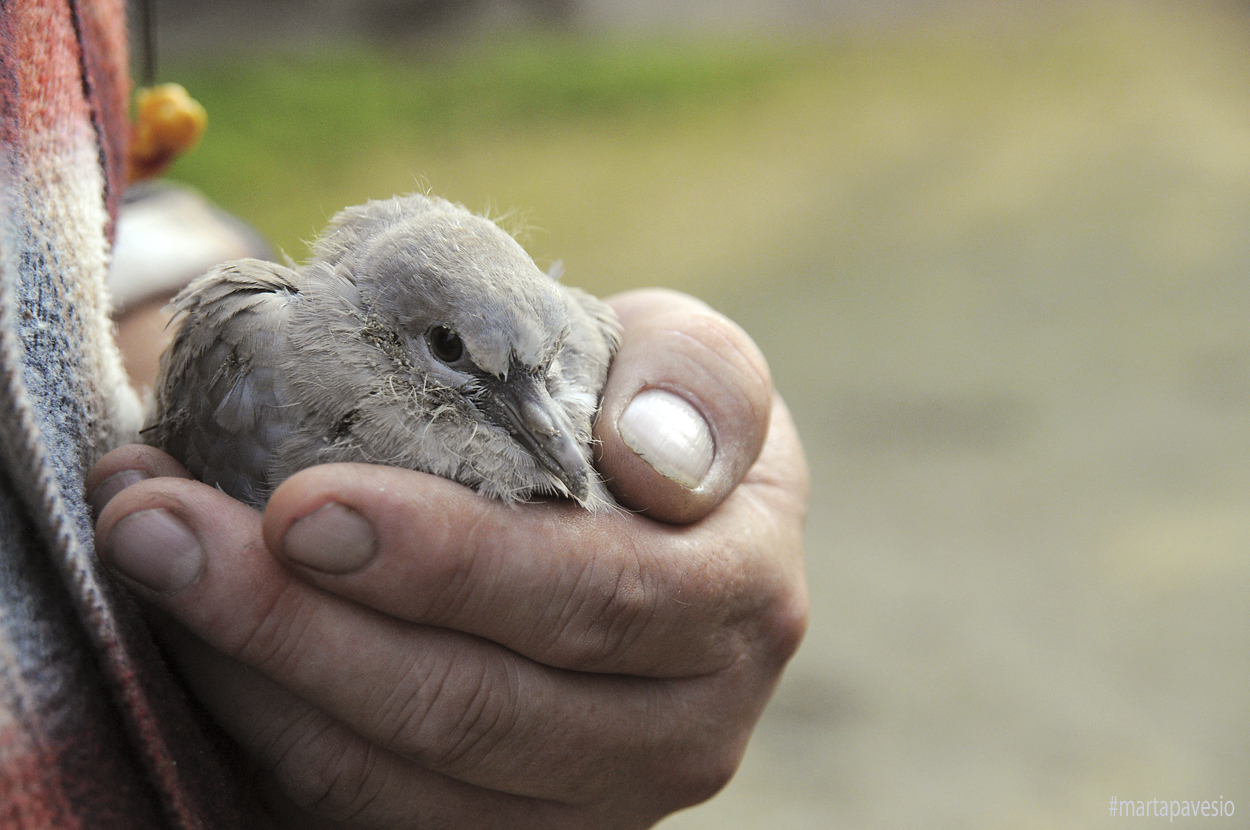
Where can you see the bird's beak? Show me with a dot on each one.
(523, 406)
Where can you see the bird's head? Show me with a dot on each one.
(472, 314)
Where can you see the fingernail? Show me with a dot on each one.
(111, 486)
(334, 539)
(155, 549)
(669, 434)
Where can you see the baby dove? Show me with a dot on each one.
(419, 335)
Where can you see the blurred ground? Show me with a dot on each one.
(1017, 345)
(1001, 275)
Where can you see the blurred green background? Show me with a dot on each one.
(998, 263)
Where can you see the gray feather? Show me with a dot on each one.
(274, 369)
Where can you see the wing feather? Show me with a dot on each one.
(218, 393)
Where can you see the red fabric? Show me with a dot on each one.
(107, 83)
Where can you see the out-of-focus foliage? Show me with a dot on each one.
(290, 131)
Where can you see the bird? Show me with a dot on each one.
(418, 334)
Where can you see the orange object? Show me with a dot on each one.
(168, 122)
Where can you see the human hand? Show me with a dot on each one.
(396, 651)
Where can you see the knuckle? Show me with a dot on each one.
(786, 625)
(709, 779)
(271, 639)
(322, 768)
(609, 608)
(453, 715)
(701, 775)
(785, 618)
(771, 608)
(451, 577)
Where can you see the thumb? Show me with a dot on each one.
(685, 409)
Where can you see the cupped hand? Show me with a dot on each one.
(396, 651)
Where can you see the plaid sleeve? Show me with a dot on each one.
(94, 731)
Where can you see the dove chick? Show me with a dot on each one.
(418, 335)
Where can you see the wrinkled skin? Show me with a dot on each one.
(485, 665)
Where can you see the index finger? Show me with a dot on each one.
(607, 592)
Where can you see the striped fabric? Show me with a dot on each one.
(94, 732)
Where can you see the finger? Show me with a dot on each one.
(125, 466)
(324, 770)
(685, 409)
(608, 592)
(450, 702)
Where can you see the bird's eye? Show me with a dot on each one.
(445, 344)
